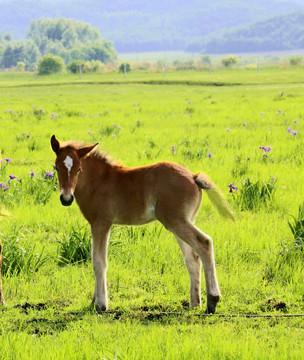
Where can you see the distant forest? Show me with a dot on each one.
(195, 25)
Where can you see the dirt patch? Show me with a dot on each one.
(27, 306)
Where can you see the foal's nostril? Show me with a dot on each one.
(65, 201)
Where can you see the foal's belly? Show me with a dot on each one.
(131, 218)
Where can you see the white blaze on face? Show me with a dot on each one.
(68, 162)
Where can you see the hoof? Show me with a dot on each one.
(100, 308)
(211, 303)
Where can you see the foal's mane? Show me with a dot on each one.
(94, 154)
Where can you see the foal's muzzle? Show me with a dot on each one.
(66, 201)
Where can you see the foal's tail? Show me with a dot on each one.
(215, 196)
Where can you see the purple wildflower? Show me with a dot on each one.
(32, 173)
(232, 188)
(10, 111)
(266, 149)
(49, 175)
(210, 155)
(12, 177)
(7, 160)
(293, 132)
(228, 129)
(262, 114)
(89, 131)
(244, 124)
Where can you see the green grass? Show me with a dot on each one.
(137, 120)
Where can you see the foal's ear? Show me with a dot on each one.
(55, 144)
(85, 150)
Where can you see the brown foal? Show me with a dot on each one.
(108, 193)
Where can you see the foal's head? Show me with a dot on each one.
(68, 166)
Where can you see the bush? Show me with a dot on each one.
(73, 66)
(229, 60)
(20, 66)
(50, 64)
(295, 60)
(93, 66)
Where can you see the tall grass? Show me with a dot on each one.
(221, 131)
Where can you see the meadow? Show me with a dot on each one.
(243, 129)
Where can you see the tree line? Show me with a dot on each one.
(67, 38)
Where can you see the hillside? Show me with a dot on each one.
(284, 32)
(135, 25)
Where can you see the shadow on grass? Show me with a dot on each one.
(50, 318)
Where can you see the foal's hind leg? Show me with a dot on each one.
(100, 241)
(203, 246)
(194, 267)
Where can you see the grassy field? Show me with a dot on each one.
(247, 132)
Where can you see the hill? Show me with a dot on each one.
(137, 25)
(284, 32)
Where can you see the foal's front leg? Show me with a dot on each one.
(100, 234)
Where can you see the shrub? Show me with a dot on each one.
(295, 60)
(50, 64)
(229, 60)
(93, 66)
(73, 66)
(20, 66)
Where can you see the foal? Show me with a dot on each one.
(108, 193)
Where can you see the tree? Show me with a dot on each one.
(124, 66)
(13, 52)
(50, 64)
(32, 54)
(206, 59)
